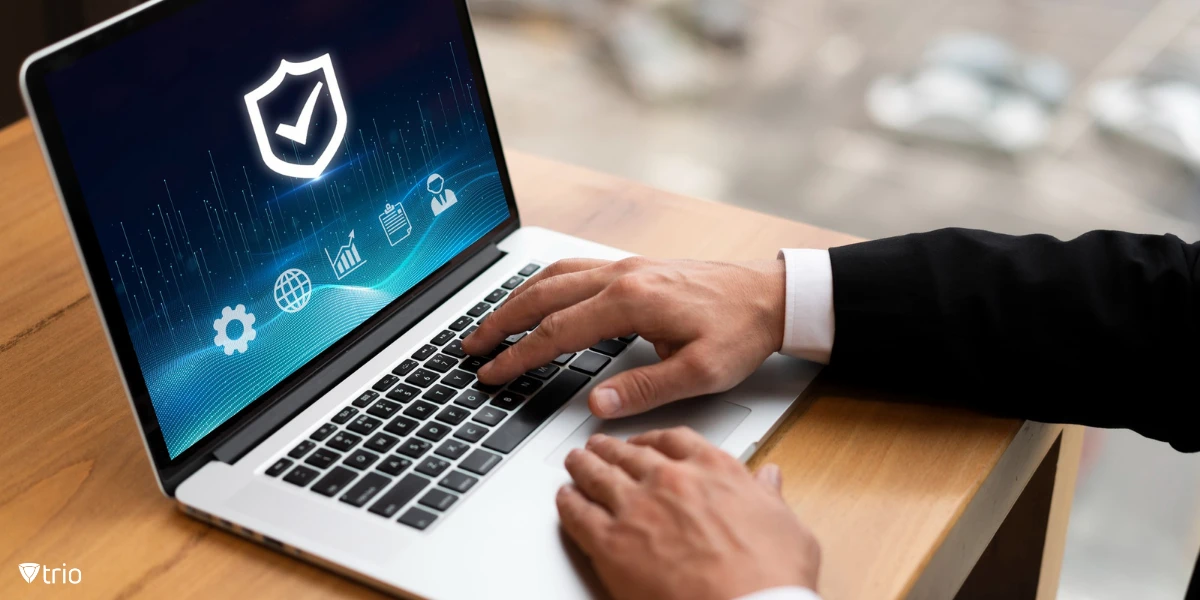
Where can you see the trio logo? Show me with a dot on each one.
(29, 571)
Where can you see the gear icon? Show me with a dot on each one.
(240, 315)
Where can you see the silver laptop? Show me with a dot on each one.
(290, 213)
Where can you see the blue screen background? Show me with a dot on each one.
(191, 221)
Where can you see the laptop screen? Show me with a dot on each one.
(265, 176)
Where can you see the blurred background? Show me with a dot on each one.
(874, 117)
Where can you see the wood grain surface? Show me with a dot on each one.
(883, 484)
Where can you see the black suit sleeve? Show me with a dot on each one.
(1102, 330)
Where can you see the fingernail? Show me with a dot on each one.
(608, 402)
(774, 475)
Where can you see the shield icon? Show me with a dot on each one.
(273, 162)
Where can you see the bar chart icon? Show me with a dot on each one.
(395, 223)
(347, 259)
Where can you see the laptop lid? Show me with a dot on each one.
(254, 185)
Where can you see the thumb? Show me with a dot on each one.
(683, 375)
(771, 477)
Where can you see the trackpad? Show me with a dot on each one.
(712, 417)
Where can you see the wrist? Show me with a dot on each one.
(768, 294)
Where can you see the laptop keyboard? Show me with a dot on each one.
(428, 432)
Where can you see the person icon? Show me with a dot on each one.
(441, 201)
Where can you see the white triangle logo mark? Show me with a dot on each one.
(29, 571)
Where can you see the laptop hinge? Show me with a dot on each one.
(272, 418)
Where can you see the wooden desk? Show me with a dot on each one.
(903, 498)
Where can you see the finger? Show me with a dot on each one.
(638, 461)
(562, 267)
(569, 330)
(679, 443)
(543, 298)
(603, 483)
(682, 375)
(771, 477)
(583, 520)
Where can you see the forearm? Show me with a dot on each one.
(1100, 330)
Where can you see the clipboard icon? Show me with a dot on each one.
(396, 225)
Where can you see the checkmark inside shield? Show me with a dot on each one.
(299, 132)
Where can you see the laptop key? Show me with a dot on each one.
(323, 432)
(508, 400)
(496, 296)
(443, 337)
(471, 364)
(384, 409)
(421, 410)
(301, 475)
(440, 363)
(405, 367)
(453, 415)
(485, 388)
(478, 310)
(609, 347)
(381, 442)
(365, 489)
(433, 431)
(398, 495)
(563, 359)
(543, 372)
(383, 384)
(461, 323)
(471, 432)
(590, 363)
(471, 399)
(489, 415)
(530, 416)
(421, 377)
(628, 339)
(516, 337)
(528, 270)
(361, 459)
(302, 448)
(364, 424)
(417, 518)
(280, 466)
(334, 481)
(344, 415)
(404, 393)
(479, 462)
(401, 426)
(525, 385)
(365, 398)
(440, 394)
(438, 500)
(512, 283)
(343, 441)
(323, 458)
(424, 352)
(452, 449)
(455, 349)
(469, 330)
(414, 447)
(394, 465)
(458, 481)
(433, 466)
(458, 379)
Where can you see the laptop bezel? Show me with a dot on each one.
(170, 472)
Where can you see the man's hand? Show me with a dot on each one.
(712, 324)
(668, 516)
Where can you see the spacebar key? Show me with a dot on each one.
(518, 427)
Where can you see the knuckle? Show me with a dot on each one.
(644, 391)
(673, 477)
(702, 370)
(550, 328)
(633, 263)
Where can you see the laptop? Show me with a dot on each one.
(290, 213)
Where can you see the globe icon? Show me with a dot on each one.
(293, 289)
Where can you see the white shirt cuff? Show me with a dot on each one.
(783, 593)
(808, 324)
